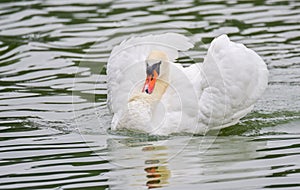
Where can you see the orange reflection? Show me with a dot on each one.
(157, 171)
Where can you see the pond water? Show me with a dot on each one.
(53, 116)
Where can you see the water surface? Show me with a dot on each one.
(53, 116)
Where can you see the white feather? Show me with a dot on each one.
(233, 78)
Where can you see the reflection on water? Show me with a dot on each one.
(157, 168)
(53, 116)
(142, 163)
(45, 159)
(152, 169)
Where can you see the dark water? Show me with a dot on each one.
(53, 116)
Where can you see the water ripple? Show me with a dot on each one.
(53, 115)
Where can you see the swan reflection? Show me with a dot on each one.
(139, 164)
(157, 169)
(144, 164)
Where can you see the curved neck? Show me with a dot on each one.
(159, 89)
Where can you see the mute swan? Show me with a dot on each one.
(149, 93)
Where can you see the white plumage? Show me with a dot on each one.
(209, 95)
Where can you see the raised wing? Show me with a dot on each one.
(126, 67)
(228, 83)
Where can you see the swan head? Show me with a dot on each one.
(157, 68)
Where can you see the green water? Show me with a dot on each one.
(53, 116)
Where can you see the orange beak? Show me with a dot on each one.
(150, 82)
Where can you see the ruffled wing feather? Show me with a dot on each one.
(229, 82)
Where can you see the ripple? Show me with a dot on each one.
(53, 115)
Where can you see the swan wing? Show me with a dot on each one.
(228, 83)
(126, 68)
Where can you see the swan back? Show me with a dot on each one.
(230, 81)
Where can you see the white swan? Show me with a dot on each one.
(209, 95)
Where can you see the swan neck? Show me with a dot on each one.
(159, 89)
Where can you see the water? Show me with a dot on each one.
(53, 116)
